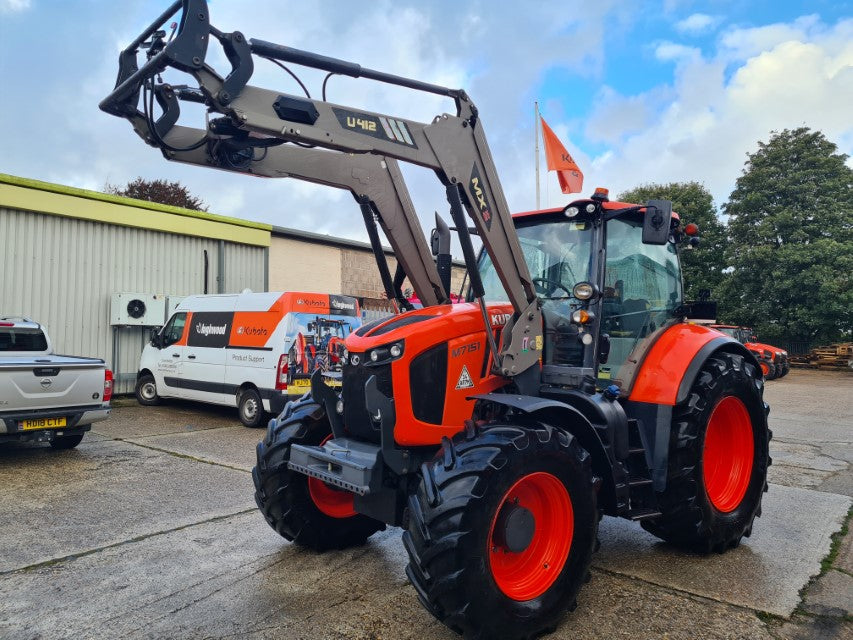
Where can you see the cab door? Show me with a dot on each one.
(170, 359)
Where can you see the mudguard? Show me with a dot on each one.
(664, 380)
(672, 364)
(579, 422)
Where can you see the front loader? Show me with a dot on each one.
(496, 432)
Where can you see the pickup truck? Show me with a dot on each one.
(45, 397)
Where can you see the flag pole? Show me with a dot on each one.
(536, 133)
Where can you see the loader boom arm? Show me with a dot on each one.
(453, 146)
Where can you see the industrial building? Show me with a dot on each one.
(100, 271)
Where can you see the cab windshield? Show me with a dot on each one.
(558, 255)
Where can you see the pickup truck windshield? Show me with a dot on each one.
(22, 339)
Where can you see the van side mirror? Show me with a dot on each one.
(656, 221)
(155, 337)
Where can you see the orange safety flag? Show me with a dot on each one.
(559, 160)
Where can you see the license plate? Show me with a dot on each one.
(43, 423)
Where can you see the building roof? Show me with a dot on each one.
(53, 199)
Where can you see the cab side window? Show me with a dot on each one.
(174, 329)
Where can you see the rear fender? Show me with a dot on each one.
(667, 375)
(566, 417)
(672, 364)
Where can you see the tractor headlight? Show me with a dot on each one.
(385, 353)
(571, 212)
(583, 290)
(767, 354)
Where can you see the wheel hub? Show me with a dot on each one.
(514, 528)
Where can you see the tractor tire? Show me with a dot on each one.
(146, 391)
(480, 564)
(250, 408)
(718, 459)
(66, 442)
(301, 509)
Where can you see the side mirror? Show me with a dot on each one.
(656, 222)
(155, 337)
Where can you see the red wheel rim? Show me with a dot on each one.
(530, 573)
(335, 503)
(727, 458)
(765, 369)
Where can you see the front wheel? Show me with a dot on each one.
(502, 529)
(250, 407)
(305, 510)
(718, 459)
(146, 391)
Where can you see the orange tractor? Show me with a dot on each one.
(495, 432)
(773, 360)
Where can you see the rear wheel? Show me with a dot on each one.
(66, 442)
(718, 459)
(502, 529)
(250, 407)
(146, 390)
(302, 509)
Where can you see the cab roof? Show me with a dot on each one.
(608, 205)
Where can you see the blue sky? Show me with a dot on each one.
(639, 91)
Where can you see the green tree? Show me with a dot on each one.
(172, 193)
(703, 266)
(791, 240)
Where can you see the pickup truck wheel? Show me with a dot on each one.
(250, 407)
(66, 442)
(302, 509)
(146, 391)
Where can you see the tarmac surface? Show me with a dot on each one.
(148, 529)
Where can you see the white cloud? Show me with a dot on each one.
(697, 23)
(14, 6)
(713, 118)
(673, 52)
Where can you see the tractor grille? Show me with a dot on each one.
(356, 419)
(428, 382)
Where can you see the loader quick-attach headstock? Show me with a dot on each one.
(254, 124)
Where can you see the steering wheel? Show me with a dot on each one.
(548, 287)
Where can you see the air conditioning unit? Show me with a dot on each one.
(137, 309)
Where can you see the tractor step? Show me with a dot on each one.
(637, 481)
(642, 514)
(343, 463)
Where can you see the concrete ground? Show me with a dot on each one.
(148, 530)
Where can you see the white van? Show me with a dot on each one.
(252, 350)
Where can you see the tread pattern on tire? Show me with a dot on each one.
(442, 528)
(689, 520)
(283, 498)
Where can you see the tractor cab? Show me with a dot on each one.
(604, 291)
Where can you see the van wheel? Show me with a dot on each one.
(146, 391)
(250, 408)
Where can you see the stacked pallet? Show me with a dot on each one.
(833, 357)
